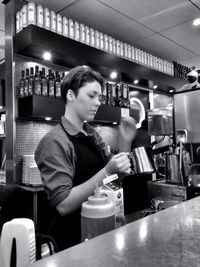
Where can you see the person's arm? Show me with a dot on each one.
(119, 163)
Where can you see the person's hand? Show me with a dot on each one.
(127, 129)
(119, 164)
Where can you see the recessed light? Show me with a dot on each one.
(196, 22)
(135, 81)
(48, 118)
(155, 86)
(171, 91)
(113, 75)
(46, 56)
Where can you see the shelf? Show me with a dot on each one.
(33, 41)
(38, 107)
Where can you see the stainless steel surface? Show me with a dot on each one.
(10, 91)
(187, 110)
(161, 188)
(172, 170)
(167, 238)
(142, 161)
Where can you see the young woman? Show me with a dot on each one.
(72, 157)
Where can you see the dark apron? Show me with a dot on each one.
(66, 230)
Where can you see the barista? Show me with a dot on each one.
(72, 157)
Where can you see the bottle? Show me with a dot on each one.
(65, 23)
(26, 83)
(57, 85)
(97, 216)
(24, 16)
(103, 97)
(53, 21)
(21, 85)
(50, 83)
(37, 82)
(59, 24)
(31, 13)
(31, 82)
(44, 86)
(47, 23)
(40, 16)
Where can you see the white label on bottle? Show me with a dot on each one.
(40, 16)
(77, 31)
(82, 33)
(65, 27)
(129, 52)
(53, 21)
(105, 42)
(91, 36)
(71, 29)
(125, 50)
(31, 13)
(96, 39)
(101, 38)
(17, 22)
(110, 44)
(46, 19)
(124, 112)
(118, 47)
(20, 20)
(114, 47)
(121, 49)
(133, 53)
(87, 35)
(24, 16)
(59, 24)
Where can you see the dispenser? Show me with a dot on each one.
(97, 216)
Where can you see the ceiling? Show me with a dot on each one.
(162, 28)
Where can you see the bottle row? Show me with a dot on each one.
(116, 94)
(180, 70)
(39, 83)
(43, 17)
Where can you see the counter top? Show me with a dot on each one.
(168, 238)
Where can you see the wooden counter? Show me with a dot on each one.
(168, 238)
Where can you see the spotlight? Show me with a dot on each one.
(196, 22)
(48, 118)
(46, 56)
(135, 81)
(113, 75)
(155, 86)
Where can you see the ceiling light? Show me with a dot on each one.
(113, 75)
(155, 86)
(171, 91)
(48, 118)
(196, 22)
(46, 56)
(136, 82)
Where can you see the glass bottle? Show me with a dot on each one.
(44, 85)
(31, 82)
(50, 82)
(26, 83)
(21, 85)
(57, 85)
(37, 82)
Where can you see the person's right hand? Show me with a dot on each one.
(119, 164)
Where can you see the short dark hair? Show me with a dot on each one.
(78, 77)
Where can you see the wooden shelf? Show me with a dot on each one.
(33, 41)
(38, 107)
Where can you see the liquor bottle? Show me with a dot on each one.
(21, 85)
(31, 82)
(44, 85)
(57, 85)
(125, 95)
(37, 82)
(109, 93)
(103, 96)
(113, 95)
(50, 83)
(120, 94)
(26, 83)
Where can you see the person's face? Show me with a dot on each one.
(86, 102)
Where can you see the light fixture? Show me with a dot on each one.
(46, 56)
(155, 86)
(135, 81)
(48, 118)
(196, 22)
(171, 91)
(113, 75)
